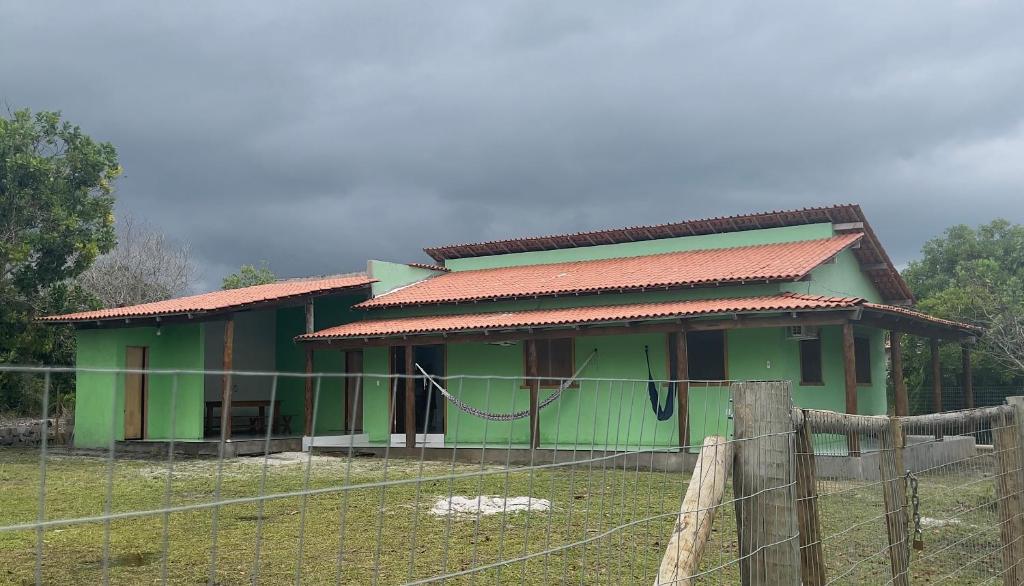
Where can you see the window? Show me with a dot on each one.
(706, 355)
(862, 357)
(810, 362)
(555, 360)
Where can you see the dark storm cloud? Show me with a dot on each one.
(317, 135)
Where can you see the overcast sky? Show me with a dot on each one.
(315, 135)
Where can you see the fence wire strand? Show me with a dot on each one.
(812, 497)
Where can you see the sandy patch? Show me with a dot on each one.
(464, 506)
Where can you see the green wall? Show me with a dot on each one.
(330, 407)
(617, 413)
(840, 278)
(99, 397)
(391, 275)
(705, 241)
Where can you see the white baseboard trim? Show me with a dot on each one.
(336, 441)
(430, 440)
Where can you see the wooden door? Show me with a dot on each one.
(134, 393)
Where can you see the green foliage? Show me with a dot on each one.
(972, 275)
(249, 275)
(56, 217)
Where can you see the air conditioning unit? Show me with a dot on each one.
(802, 332)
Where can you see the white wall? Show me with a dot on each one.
(254, 349)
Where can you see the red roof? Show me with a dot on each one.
(578, 315)
(787, 261)
(219, 301)
(871, 254)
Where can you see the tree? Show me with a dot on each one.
(144, 266)
(974, 275)
(56, 217)
(249, 275)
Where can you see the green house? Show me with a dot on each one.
(623, 339)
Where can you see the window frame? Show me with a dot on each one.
(857, 358)
(551, 383)
(689, 356)
(821, 363)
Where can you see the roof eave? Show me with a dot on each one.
(197, 315)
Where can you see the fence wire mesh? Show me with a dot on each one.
(608, 497)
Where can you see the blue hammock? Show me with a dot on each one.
(663, 413)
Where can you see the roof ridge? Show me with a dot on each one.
(648, 226)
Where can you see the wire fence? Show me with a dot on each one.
(761, 493)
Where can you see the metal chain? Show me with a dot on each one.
(915, 504)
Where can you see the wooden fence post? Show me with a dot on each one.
(764, 484)
(697, 513)
(1006, 444)
(890, 467)
(812, 558)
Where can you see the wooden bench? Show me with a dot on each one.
(258, 424)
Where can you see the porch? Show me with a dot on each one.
(834, 350)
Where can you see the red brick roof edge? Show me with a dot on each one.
(389, 327)
(217, 301)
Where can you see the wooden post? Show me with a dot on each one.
(697, 513)
(850, 374)
(1006, 446)
(225, 386)
(890, 466)
(308, 414)
(965, 355)
(309, 317)
(896, 371)
(682, 377)
(936, 383)
(812, 558)
(936, 377)
(764, 484)
(410, 398)
(534, 385)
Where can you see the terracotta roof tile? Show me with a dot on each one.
(577, 315)
(765, 262)
(871, 254)
(222, 300)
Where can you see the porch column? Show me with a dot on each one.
(225, 386)
(936, 382)
(896, 370)
(936, 377)
(410, 399)
(308, 414)
(308, 419)
(682, 377)
(965, 355)
(850, 372)
(534, 385)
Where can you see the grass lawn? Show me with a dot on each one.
(388, 534)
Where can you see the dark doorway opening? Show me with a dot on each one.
(431, 358)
